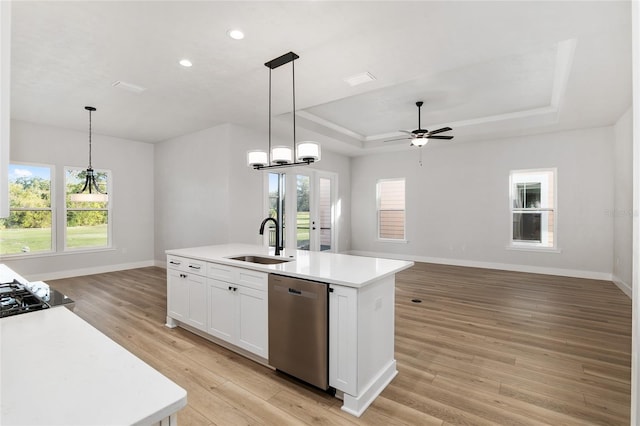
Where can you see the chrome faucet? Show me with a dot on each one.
(277, 232)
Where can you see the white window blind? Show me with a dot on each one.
(391, 209)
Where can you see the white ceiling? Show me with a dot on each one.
(487, 69)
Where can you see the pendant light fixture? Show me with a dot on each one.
(93, 193)
(303, 153)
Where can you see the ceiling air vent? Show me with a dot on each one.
(361, 78)
(128, 86)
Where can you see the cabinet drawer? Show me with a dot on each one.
(222, 272)
(187, 265)
(231, 274)
(253, 279)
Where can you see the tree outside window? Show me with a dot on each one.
(28, 228)
(87, 223)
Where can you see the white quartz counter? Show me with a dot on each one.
(56, 369)
(342, 269)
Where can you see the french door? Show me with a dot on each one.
(306, 216)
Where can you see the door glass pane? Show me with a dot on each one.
(325, 214)
(302, 218)
(276, 207)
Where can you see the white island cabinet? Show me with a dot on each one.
(361, 310)
(187, 291)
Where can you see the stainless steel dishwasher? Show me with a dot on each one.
(298, 328)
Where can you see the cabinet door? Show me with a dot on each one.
(343, 339)
(253, 324)
(197, 301)
(177, 295)
(222, 310)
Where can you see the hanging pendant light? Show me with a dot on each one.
(93, 193)
(303, 153)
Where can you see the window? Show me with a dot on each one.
(533, 214)
(87, 223)
(391, 212)
(28, 228)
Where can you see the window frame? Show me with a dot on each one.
(108, 209)
(52, 209)
(519, 176)
(379, 210)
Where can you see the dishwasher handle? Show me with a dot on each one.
(294, 291)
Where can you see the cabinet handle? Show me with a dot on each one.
(230, 287)
(235, 288)
(183, 276)
(174, 263)
(194, 267)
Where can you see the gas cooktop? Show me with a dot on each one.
(16, 299)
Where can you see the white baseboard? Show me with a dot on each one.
(594, 275)
(625, 287)
(89, 271)
(356, 405)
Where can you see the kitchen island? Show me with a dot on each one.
(225, 300)
(56, 369)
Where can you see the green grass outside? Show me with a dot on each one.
(302, 231)
(12, 241)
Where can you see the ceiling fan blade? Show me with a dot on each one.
(444, 129)
(406, 131)
(439, 137)
(397, 139)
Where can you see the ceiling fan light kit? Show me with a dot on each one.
(93, 193)
(420, 137)
(419, 142)
(303, 153)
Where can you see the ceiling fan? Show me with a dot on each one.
(419, 137)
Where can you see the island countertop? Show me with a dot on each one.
(332, 268)
(57, 369)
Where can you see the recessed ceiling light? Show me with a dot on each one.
(235, 34)
(185, 63)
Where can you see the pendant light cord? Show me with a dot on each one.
(269, 154)
(293, 83)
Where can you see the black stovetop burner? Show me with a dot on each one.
(16, 299)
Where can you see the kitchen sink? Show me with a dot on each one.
(259, 259)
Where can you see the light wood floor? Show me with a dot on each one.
(483, 347)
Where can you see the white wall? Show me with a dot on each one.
(131, 196)
(192, 190)
(458, 202)
(206, 194)
(635, 346)
(5, 102)
(623, 202)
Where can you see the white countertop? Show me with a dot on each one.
(56, 369)
(342, 269)
(7, 275)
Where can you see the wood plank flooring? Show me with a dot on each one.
(483, 347)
